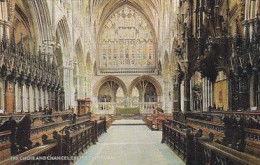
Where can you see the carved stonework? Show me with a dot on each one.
(10, 9)
(241, 4)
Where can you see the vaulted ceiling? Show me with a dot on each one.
(151, 9)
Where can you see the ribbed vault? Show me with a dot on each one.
(102, 9)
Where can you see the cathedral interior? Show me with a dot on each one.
(130, 82)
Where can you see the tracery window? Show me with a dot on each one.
(127, 41)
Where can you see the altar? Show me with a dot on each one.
(128, 111)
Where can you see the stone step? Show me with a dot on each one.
(128, 122)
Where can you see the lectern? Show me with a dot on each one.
(84, 106)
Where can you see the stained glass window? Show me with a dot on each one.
(127, 41)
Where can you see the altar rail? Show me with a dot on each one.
(196, 149)
(110, 107)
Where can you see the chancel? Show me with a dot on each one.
(130, 82)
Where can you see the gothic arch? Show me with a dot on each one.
(111, 7)
(23, 25)
(150, 79)
(63, 39)
(42, 14)
(64, 31)
(106, 79)
(79, 53)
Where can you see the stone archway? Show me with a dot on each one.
(106, 79)
(150, 79)
(149, 90)
(106, 90)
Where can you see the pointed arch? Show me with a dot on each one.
(110, 11)
(106, 79)
(24, 26)
(64, 31)
(115, 35)
(148, 78)
(42, 14)
(79, 51)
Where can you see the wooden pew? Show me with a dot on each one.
(47, 129)
(240, 130)
(5, 145)
(216, 128)
(253, 141)
(30, 156)
(24, 135)
(101, 126)
(179, 138)
(196, 149)
(209, 152)
(39, 118)
(78, 137)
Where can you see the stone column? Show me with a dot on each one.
(187, 95)
(191, 94)
(207, 88)
(182, 96)
(46, 99)
(25, 98)
(176, 97)
(71, 98)
(252, 91)
(65, 83)
(17, 98)
(68, 86)
(204, 94)
(4, 17)
(41, 96)
(31, 100)
(165, 96)
(36, 98)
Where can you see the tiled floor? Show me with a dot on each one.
(130, 145)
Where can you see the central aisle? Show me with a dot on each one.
(130, 145)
